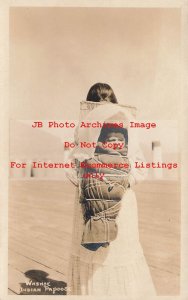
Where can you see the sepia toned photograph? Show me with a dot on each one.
(94, 202)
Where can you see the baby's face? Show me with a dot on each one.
(117, 139)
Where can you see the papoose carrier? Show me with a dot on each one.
(102, 183)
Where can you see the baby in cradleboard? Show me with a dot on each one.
(102, 186)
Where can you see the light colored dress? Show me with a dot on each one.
(118, 269)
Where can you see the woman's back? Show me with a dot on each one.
(120, 268)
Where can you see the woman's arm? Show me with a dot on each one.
(137, 174)
(71, 173)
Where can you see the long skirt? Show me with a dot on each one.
(120, 268)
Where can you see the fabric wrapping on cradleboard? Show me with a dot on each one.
(101, 198)
(101, 227)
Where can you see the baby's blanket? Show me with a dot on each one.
(101, 198)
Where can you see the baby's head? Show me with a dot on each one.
(114, 138)
(109, 133)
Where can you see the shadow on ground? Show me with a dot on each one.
(40, 284)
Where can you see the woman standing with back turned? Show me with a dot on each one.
(101, 263)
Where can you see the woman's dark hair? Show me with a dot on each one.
(101, 92)
(109, 127)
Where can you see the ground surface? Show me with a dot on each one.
(40, 225)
